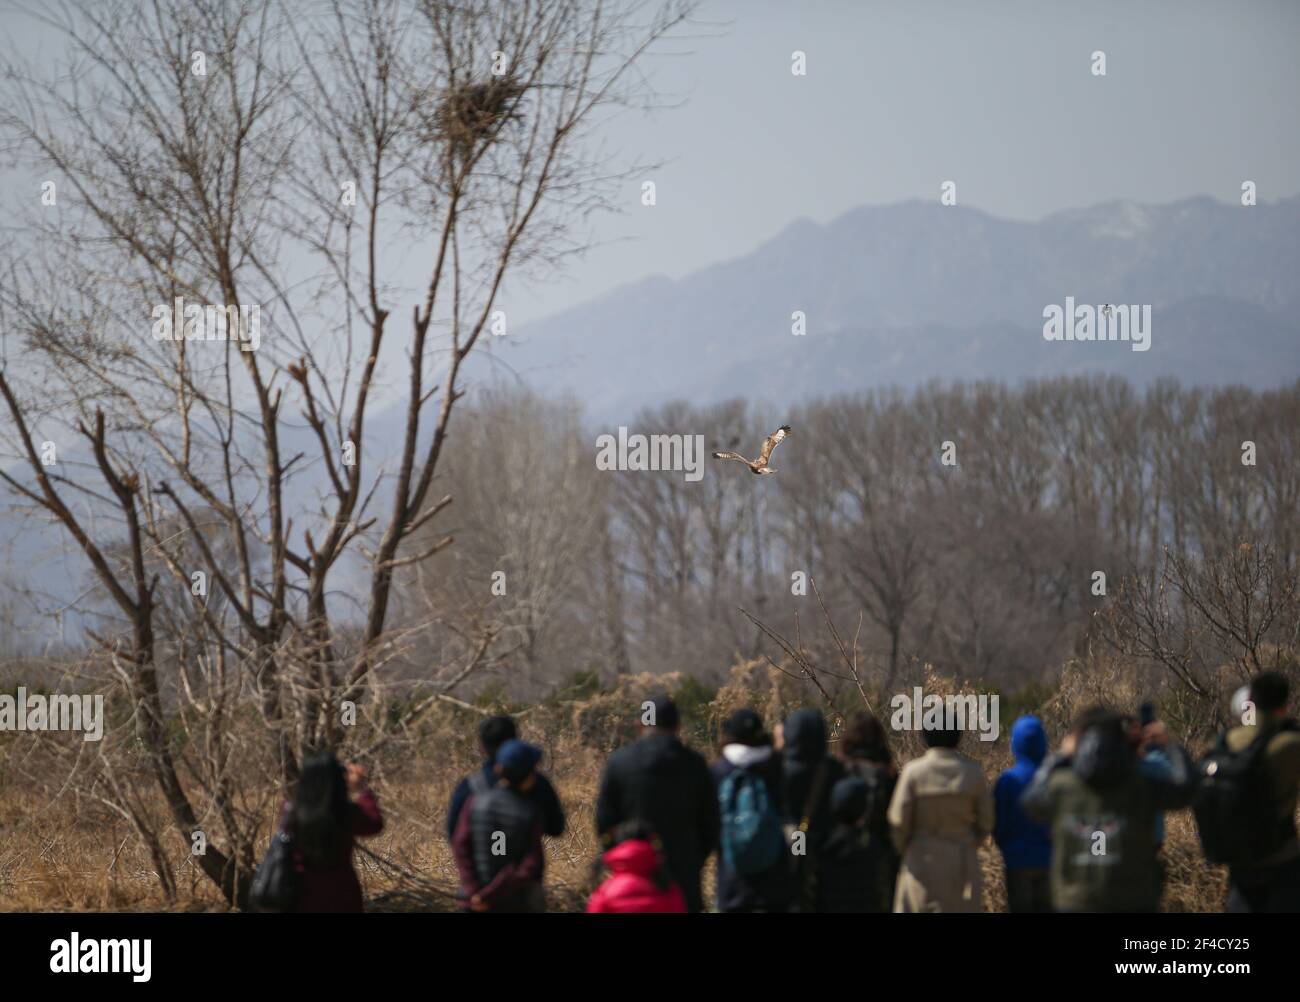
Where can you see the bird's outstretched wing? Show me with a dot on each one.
(730, 455)
(771, 442)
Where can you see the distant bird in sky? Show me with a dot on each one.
(759, 465)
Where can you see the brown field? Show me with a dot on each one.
(58, 853)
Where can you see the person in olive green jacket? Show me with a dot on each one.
(1271, 884)
(1102, 809)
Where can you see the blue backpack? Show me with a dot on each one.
(753, 839)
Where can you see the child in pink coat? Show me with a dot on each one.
(638, 881)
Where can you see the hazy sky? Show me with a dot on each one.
(901, 95)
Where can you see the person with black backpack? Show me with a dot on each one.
(864, 750)
(854, 873)
(1102, 808)
(754, 872)
(1245, 807)
(498, 838)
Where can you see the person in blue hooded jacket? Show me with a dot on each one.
(1026, 845)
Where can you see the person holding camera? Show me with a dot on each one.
(1102, 807)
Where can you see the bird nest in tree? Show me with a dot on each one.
(473, 112)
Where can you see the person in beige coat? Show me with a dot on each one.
(940, 812)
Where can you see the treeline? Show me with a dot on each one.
(967, 526)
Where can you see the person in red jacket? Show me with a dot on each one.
(639, 882)
(324, 824)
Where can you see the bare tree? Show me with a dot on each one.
(1237, 610)
(290, 158)
(528, 525)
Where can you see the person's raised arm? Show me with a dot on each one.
(364, 812)
(1175, 786)
(1038, 800)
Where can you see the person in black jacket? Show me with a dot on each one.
(658, 780)
(745, 746)
(493, 732)
(498, 839)
(810, 774)
(853, 873)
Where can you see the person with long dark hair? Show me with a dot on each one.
(850, 871)
(323, 822)
(864, 750)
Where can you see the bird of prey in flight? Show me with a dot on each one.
(759, 465)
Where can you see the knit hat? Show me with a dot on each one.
(517, 759)
(665, 713)
(744, 727)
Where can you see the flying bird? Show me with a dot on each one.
(759, 465)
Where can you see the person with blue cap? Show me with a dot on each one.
(498, 837)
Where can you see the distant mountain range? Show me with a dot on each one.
(906, 293)
(898, 294)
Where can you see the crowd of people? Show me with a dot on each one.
(794, 827)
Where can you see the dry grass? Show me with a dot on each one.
(56, 854)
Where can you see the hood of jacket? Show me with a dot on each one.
(1028, 740)
(660, 752)
(805, 736)
(636, 855)
(1104, 757)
